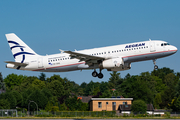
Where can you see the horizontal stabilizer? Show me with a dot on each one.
(16, 63)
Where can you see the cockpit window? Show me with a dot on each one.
(164, 44)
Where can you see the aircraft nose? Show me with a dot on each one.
(175, 49)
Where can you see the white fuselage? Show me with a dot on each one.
(133, 52)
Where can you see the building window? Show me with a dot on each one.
(114, 103)
(99, 104)
(106, 103)
(124, 103)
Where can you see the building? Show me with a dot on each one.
(108, 104)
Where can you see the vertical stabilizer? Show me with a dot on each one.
(20, 50)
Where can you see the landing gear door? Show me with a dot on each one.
(40, 62)
(152, 46)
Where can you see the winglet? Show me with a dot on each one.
(62, 51)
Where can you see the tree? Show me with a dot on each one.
(13, 80)
(19, 98)
(106, 94)
(114, 79)
(4, 104)
(137, 88)
(56, 88)
(76, 104)
(161, 73)
(139, 106)
(48, 107)
(2, 85)
(177, 88)
(63, 107)
(42, 77)
(10, 98)
(39, 84)
(175, 104)
(37, 97)
(47, 93)
(157, 101)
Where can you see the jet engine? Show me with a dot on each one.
(112, 63)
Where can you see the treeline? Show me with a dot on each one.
(160, 87)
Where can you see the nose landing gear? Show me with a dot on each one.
(155, 66)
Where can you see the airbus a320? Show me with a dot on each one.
(112, 58)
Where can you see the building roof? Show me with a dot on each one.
(119, 99)
(85, 99)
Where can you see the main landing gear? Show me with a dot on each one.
(95, 74)
(155, 66)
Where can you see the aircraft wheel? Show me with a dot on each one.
(155, 67)
(94, 74)
(100, 75)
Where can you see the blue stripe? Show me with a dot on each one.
(13, 42)
(20, 53)
(23, 59)
(17, 46)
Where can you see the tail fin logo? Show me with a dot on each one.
(22, 50)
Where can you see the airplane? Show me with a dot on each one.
(112, 58)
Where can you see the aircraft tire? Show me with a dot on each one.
(94, 74)
(100, 75)
(155, 67)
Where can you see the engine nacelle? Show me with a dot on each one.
(112, 63)
(126, 66)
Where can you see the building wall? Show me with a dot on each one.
(109, 107)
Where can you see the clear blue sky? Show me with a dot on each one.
(49, 25)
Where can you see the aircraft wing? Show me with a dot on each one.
(16, 63)
(84, 57)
